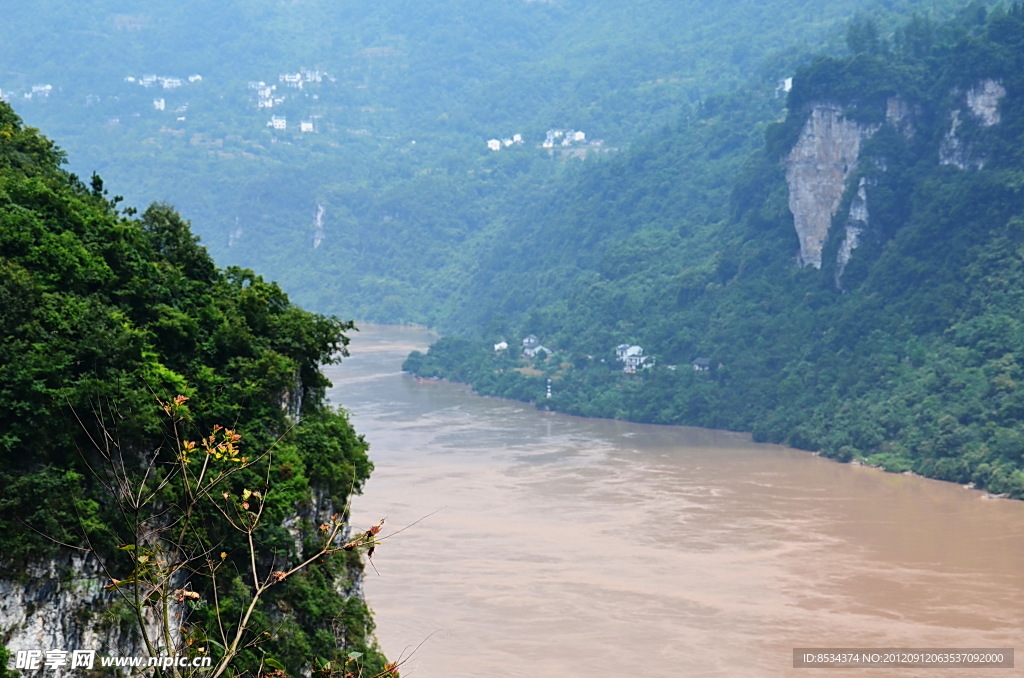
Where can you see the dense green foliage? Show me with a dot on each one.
(674, 234)
(907, 358)
(409, 96)
(103, 317)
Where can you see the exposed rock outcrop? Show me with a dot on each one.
(983, 103)
(856, 224)
(60, 604)
(900, 115)
(825, 156)
(817, 170)
(319, 233)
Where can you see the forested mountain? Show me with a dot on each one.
(674, 229)
(110, 324)
(671, 227)
(846, 280)
(380, 181)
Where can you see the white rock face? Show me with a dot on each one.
(61, 605)
(899, 114)
(855, 226)
(952, 150)
(983, 101)
(817, 170)
(819, 166)
(319, 234)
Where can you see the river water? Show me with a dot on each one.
(569, 547)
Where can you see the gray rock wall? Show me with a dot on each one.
(817, 170)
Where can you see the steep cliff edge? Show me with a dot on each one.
(823, 164)
(818, 169)
(65, 602)
(982, 103)
(60, 604)
(856, 223)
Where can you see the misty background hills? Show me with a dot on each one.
(807, 215)
(799, 220)
(381, 185)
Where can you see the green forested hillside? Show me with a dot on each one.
(906, 355)
(104, 318)
(164, 100)
(897, 343)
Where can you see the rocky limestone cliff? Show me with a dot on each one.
(319, 233)
(856, 224)
(60, 604)
(982, 101)
(817, 170)
(900, 114)
(825, 156)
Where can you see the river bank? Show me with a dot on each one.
(568, 547)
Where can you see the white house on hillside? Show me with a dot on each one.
(532, 347)
(631, 356)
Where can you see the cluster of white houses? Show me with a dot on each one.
(305, 75)
(165, 81)
(554, 137)
(630, 355)
(160, 104)
(267, 96)
(498, 144)
(38, 91)
(148, 81)
(563, 137)
(531, 347)
(280, 122)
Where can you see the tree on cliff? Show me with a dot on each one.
(101, 316)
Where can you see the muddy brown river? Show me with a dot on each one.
(570, 547)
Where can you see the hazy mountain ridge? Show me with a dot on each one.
(408, 100)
